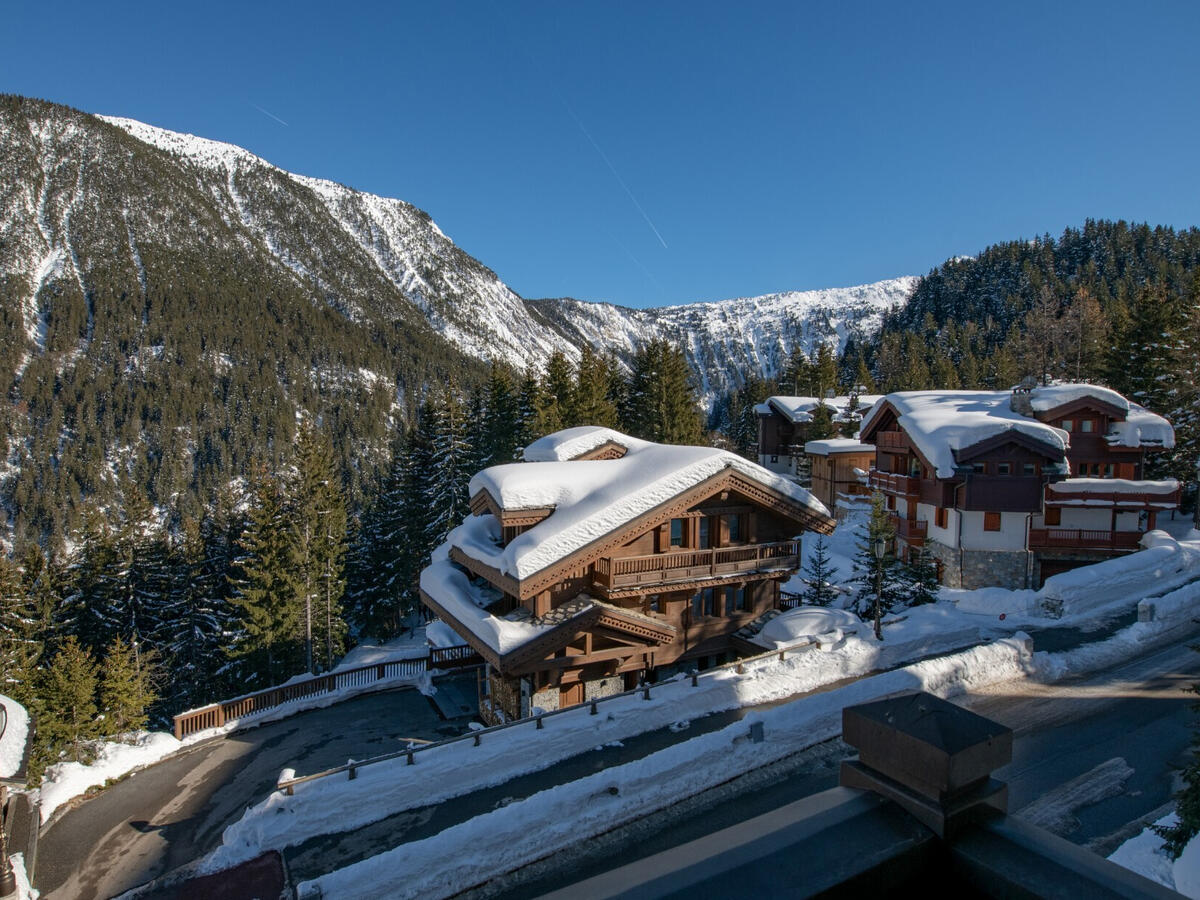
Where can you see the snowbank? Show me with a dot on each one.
(66, 780)
(992, 601)
(25, 890)
(806, 624)
(476, 850)
(455, 769)
(14, 737)
(1164, 565)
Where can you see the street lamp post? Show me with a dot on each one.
(880, 550)
(8, 878)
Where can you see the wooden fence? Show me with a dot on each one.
(217, 714)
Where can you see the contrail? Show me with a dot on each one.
(629, 253)
(271, 114)
(616, 175)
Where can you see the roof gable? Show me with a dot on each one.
(474, 547)
(1017, 438)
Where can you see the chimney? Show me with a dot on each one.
(1020, 401)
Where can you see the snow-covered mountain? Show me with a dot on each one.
(79, 197)
(481, 315)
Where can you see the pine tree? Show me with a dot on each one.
(449, 474)
(878, 587)
(267, 643)
(22, 635)
(68, 692)
(1187, 800)
(919, 578)
(821, 426)
(554, 397)
(318, 516)
(591, 401)
(127, 690)
(501, 425)
(817, 572)
(661, 404)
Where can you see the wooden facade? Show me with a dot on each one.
(671, 586)
(997, 511)
(835, 470)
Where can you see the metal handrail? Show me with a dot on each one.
(351, 768)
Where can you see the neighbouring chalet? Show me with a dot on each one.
(838, 471)
(603, 557)
(1009, 488)
(783, 427)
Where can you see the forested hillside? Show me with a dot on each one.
(1111, 302)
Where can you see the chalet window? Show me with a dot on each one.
(1086, 425)
(704, 538)
(978, 468)
(1028, 469)
(705, 603)
(891, 501)
(941, 517)
(735, 529)
(1068, 425)
(1003, 468)
(735, 600)
(1053, 515)
(677, 532)
(1108, 470)
(774, 458)
(991, 521)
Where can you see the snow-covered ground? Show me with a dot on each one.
(12, 741)
(1144, 854)
(64, 781)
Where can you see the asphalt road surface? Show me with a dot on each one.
(1094, 760)
(169, 814)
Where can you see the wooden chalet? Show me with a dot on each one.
(838, 471)
(982, 480)
(784, 427)
(603, 558)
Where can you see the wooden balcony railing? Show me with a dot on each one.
(892, 483)
(692, 565)
(217, 715)
(1082, 539)
(891, 440)
(911, 531)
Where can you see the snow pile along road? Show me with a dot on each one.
(477, 850)
(459, 768)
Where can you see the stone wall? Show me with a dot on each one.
(603, 687)
(545, 700)
(995, 568)
(948, 557)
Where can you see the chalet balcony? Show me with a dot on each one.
(893, 483)
(891, 440)
(1082, 539)
(625, 572)
(911, 531)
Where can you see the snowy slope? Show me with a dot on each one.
(468, 304)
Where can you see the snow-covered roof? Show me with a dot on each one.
(800, 409)
(465, 600)
(1052, 396)
(592, 498)
(565, 445)
(1113, 486)
(940, 423)
(1141, 428)
(837, 445)
(13, 737)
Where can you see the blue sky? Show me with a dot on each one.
(655, 153)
